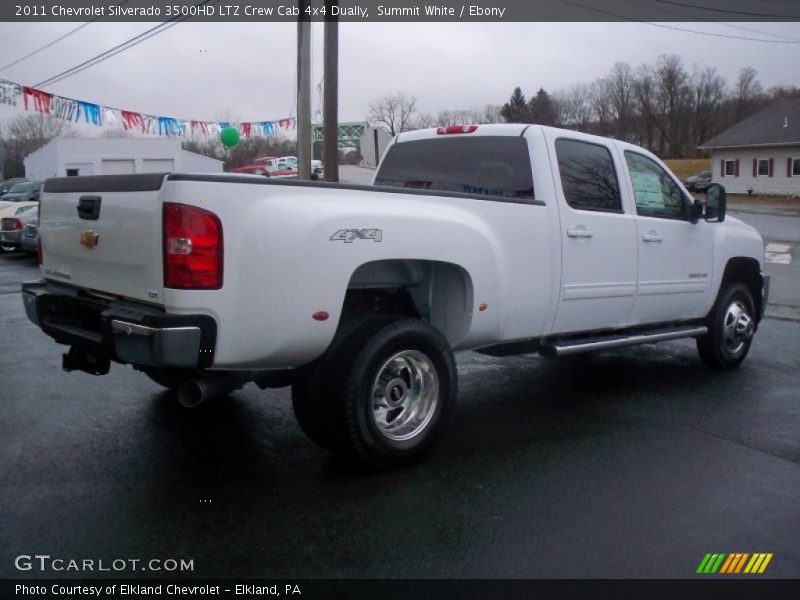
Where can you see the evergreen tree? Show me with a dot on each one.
(516, 109)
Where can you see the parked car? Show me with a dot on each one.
(12, 209)
(22, 192)
(30, 236)
(698, 182)
(316, 165)
(11, 229)
(8, 183)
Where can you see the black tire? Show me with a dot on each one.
(731, 324)
(383, 394)
(317, 386)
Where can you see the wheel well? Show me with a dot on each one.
(747, 271)
(434, 291)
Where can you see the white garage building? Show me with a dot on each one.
(70, 157)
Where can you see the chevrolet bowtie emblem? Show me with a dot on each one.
(89, 238)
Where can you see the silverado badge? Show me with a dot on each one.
(89, 238)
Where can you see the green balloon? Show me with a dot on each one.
(229, 137)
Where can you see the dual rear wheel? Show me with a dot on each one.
(381, 393)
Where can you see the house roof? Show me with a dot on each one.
(777, 124)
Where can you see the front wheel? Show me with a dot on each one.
(731, 325)
(385, 397)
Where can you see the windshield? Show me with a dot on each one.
(22, 187)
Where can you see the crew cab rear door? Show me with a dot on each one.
(103, 233)
(598, 238)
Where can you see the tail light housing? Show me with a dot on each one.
(193, 248)
(10, 224)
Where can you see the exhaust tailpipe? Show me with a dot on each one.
(193, 392)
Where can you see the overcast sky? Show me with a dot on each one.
(246, 71)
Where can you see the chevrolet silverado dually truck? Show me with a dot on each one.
(498, 238)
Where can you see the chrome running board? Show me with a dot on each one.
(576, 346)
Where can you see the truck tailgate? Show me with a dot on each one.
(103, 233)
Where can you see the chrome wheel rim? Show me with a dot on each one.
(404, 395)
(737, 327)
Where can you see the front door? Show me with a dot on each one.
(675, 256)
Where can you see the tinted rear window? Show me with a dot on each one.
(588, 177)
(496, 166)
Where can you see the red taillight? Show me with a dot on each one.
(456, 129)
(10, 224)
(193, 249)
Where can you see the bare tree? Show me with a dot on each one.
(748, 91)
(424, 121)
(395, 112)
(491, 114)
(601, 106)
(619, 92)
(28, 133)
(573, 107)
(644, 90)
(709, 93)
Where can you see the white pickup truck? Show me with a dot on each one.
(501, 238)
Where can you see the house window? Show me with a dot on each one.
(796, 167)
(72, 172)
(763, 167)
(730, 168)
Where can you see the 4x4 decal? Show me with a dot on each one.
(349, 235)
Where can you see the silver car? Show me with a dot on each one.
(11, 228)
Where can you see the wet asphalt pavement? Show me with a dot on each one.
(632, 463)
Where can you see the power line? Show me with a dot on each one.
(126, 45)
(58, 39)
(663, 26)
(130, 43)
(729, 12)
(682, 14)
(17, 32)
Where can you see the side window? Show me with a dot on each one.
(656, 193)
(588, 176)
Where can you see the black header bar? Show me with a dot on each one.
(366, 11)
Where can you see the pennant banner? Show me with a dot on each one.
(70, 109)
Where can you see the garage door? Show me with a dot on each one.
(118, 167)
(158, 165)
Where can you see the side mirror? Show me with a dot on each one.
(715, 203)
(695, 212)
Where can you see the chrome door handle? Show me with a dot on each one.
(652, 237)
(579, 233)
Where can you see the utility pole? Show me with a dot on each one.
(330, 153)
(303, 93)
